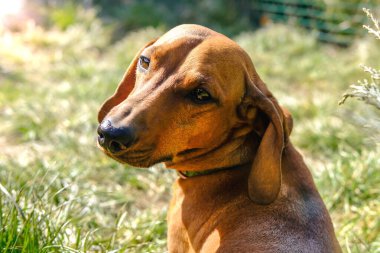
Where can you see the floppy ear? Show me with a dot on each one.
(125, 86)
(264, 180)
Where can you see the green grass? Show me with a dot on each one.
(75, 199)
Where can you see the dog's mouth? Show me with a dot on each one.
(137, 158)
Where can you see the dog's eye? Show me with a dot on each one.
(200, 95)
(144, 62)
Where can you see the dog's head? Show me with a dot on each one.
(193, 100)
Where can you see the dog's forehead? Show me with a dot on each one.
(218, 55)
(185, 38)
(190, 32)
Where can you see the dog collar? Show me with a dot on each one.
(189, 174)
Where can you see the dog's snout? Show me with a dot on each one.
(115, 139)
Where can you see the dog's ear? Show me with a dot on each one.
(125, 86)
(264, 180)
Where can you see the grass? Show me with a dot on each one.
(75, 199)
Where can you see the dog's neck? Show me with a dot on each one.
(190, 174)
(216, 183)
(195, 202)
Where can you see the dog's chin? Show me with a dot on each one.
(135, 163)
(140, 161)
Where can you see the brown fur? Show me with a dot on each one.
(267, 200)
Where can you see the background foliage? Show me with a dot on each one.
(53, 78)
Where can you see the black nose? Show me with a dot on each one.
(115, 139)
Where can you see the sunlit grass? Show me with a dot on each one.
(75, 199)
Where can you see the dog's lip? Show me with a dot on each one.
(133, 155)
(137, 153)
(133, 158)
(128, 153)
(136, 156)
(140, 159)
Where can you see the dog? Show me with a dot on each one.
(193, 100)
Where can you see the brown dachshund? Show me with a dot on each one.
(193, 100)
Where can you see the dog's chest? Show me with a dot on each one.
(178, 239)
(190, 225)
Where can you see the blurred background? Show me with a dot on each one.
(59, 60)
